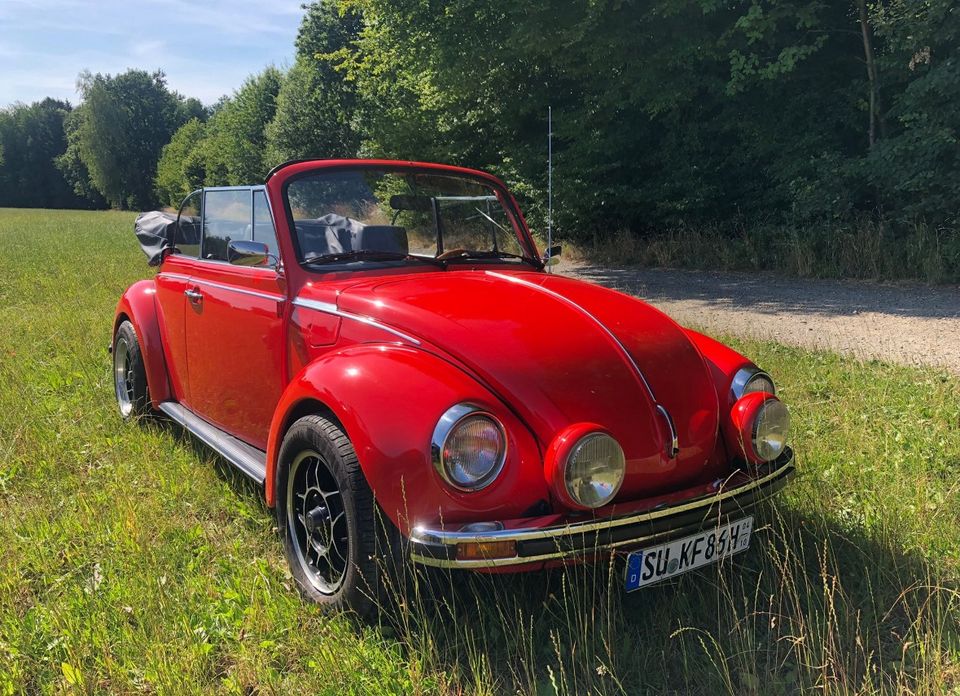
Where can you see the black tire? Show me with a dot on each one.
(129, 374)
(344, 521)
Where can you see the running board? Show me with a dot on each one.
(248, 459)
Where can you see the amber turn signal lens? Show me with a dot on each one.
(484, 550)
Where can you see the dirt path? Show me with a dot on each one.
(909, 324)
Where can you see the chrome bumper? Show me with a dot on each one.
(585, 538)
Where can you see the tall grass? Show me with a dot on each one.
(861, 251)
(132, 560)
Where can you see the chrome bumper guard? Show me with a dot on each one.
(585, 538)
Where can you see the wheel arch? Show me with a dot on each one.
(387, 399)
(138, 306)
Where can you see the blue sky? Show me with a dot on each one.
(205, 47)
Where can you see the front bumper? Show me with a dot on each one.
(555, 538)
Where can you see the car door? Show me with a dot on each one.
(234, 320)
(171, 282)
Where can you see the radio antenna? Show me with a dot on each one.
(549, 180)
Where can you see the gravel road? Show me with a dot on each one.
(908, 324)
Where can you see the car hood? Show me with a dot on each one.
(560, 351)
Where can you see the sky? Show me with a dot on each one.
(205, 47)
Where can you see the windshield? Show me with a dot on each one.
(368, 215)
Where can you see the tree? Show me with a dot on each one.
(182, 167)
(316, 104)
(31, 137)
(236, 144)
(121, 127)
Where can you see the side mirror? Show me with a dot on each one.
(244, 252)
(551, 257)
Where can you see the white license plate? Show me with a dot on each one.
(657, 563)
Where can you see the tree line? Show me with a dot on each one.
(667, 113)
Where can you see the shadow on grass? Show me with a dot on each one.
(809, 607)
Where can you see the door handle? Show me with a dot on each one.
(195, 296)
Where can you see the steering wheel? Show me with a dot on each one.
(451, 254)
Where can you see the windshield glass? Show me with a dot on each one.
(369, 215)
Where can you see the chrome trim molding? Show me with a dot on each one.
(744, 376)
(213, 284)
(584, 312)
(330, 308)
(243, 291)
(452, 417)
(438, 539)
(675, 444)
(674, 447)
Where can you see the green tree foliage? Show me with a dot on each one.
(121, 126)
(673, 112)
(229, 149)
(235, 147)
(31, 137)
(316, 103)
(182, 166)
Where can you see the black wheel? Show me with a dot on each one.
(129, 375)
(332, 534)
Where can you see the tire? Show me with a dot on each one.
(129, 374)
(339, 547)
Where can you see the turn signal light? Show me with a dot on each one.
(485, 550)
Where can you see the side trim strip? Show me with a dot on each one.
(330, 308)
(243, 291)
(222, 286)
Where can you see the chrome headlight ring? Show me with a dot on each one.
(454, 418)
(748, 377)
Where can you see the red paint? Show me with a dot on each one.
(541, 352)
(739, 427)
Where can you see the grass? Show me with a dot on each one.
(132, 560)
(861, 251)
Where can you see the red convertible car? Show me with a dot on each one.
(378, 344)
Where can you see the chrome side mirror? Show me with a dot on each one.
(244, 252)
(551, 257)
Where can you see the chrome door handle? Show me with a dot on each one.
(195, 296)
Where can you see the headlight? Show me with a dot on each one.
(468, 447)
(770, 430)
(594, 470)
(758, 425)
(749, 380)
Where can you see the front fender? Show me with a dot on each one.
(138, 304)
(388, 398)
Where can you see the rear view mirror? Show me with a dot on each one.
(418, 203)
(242, 252)
(552, 254)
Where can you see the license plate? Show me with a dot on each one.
(657, 563)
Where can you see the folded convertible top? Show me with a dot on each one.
(155, 232)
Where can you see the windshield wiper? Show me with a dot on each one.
(491, 254)
(368, 255)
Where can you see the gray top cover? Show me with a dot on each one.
(155, 232)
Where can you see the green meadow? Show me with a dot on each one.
(133, 560)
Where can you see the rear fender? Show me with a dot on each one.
(388, 399)
(138, 304)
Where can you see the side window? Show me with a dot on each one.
(263, 230)
(187, 231)
(227, 217)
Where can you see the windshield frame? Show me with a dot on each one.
(503, 195)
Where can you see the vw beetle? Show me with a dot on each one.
(379, 346)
